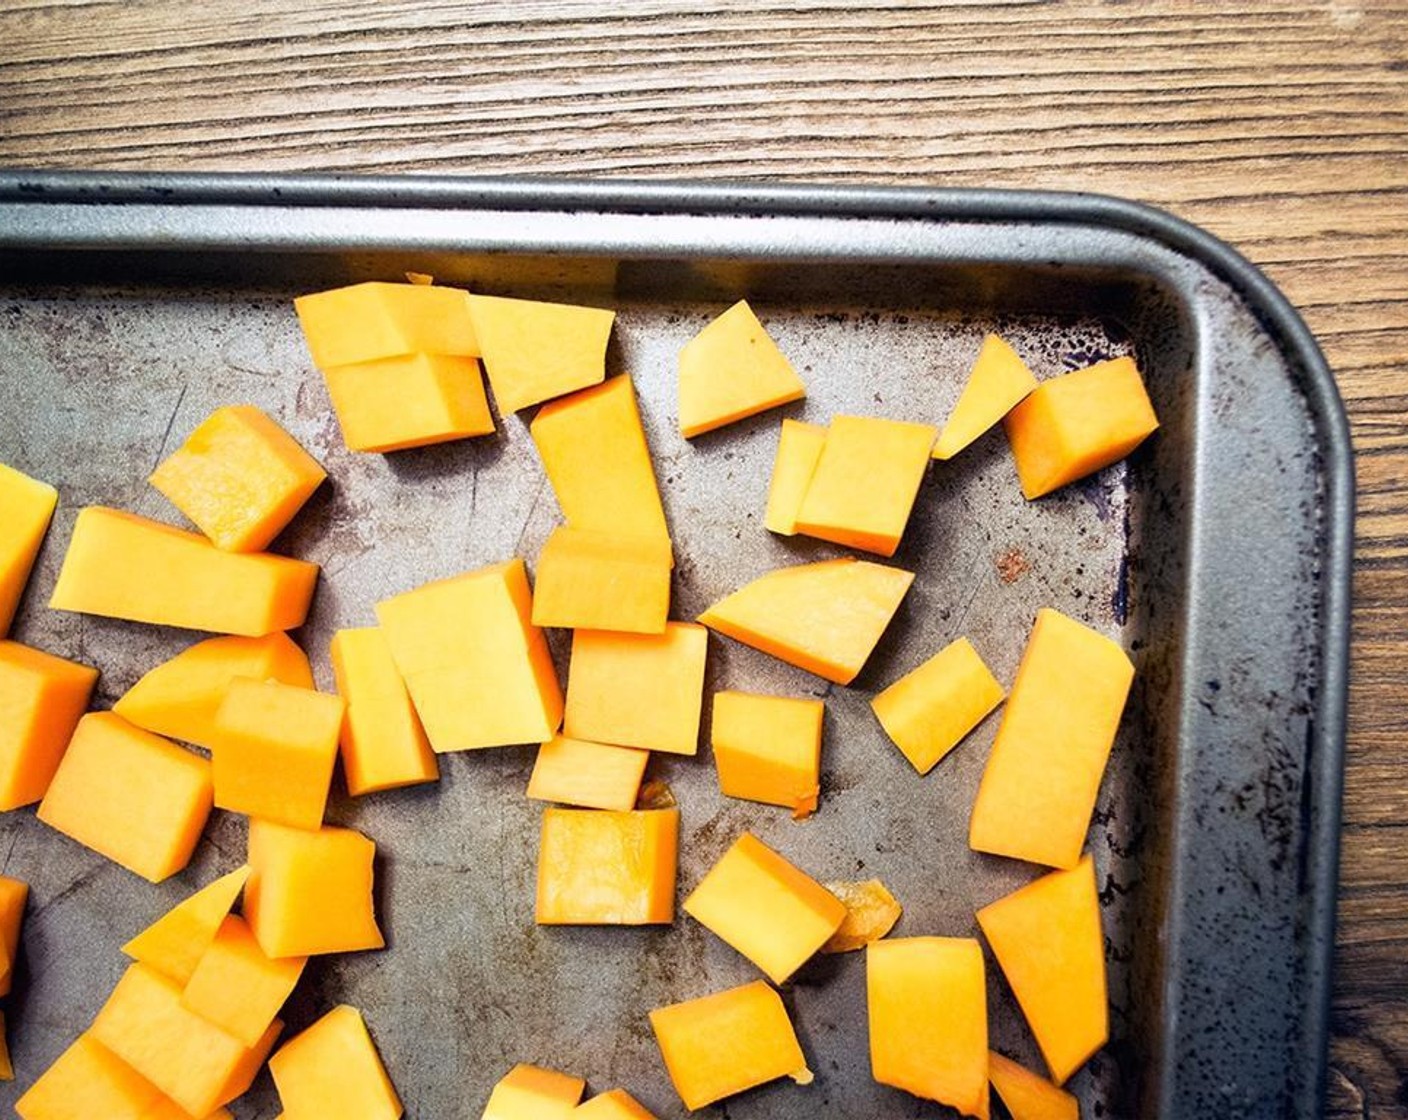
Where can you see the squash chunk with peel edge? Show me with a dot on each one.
(725, 1043)
(586, 774)
(587, 580)
(26, 507)
(1029, 1096)
(533, 1093)
(366, 322)
(607, 868)
(174, 944)
(535, 351)
(997, 383)
(333, 1070)
(88, 1081)
(871, 912)
(14, 893)
(42, 698)
(799, 447)
(825, 617)
(731, 370)
(768, 749)
(238, 988)
(412, 400)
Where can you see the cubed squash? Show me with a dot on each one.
(478, 670)
(615, 1104)
(1027, 1095)
(333, 1070)
(533, 1093)
(730, 370)
(825, 617)
(929, 710)
(1047, 939)
(1074, 425)
(871, 912)
(412, 400)
(588, 775)
(799, 447)
(997, 383)
(26, 507)
(1042, 777)
(383, 743)
(124, 566)
(275, 747)
(928, 1010)
(88, 1081)
(42, 698)
(535, 351)
(132, 796)
(865, 482)
(589, 580)
(366, 322)
(174, 944)
(238, 988)
(14, 893)
(239, 477)
(768, 749)
(770, 911)
(607, 868)
(725, 1043)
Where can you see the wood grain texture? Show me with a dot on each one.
(1281, 126)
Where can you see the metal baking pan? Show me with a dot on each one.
(130, 306)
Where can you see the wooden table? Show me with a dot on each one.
(1281, 125)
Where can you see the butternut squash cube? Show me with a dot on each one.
(767, 909)
(333, 1069)
(411, 400)
(638, 690)
(589, 580)
(617, 1104)
(383, 743)
(725, 1043)
(799, 447)
(997, 383)
(871, 912)
(1029, 1096)
(1078, 423)
(931, 709)
(366, 322)
(731, 370)
(238, 988)
(1046, 937)
(928, 1006)
(87, 1081)
(535, 351)
(865, 482)
(768, 749)
(310, 893)
(825, 617)
(239, 477)
(478, 670)
(174, 944)
(132, 796)
(590, 775)
(532, 1093)
(124, 566)
(26, 507)
(275, 746)
(1042, 777)
(14, 893)
(42, 698)
(607, 868)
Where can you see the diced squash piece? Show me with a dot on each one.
(333, 1069)
(607, 868)
(249, 1065)
(239, 477)
(1042, 777)
(1074, 425)
(825, 617)
(617, 1104)
(589, 775)
(310, 892)
(124, 566)
(14, 893)
(731, 370)
(871, 912)
(588, 580)
(478, 670)
(365, 322)
(768, 749)
(1029, 1096)
(799, 447)
(595, 455)
(88, 1081)
(774, 914)
(26, 507)
(638, 690)
(174, 944)
(928, 1006)
(997, 383)
(275, 746)
(865, 482)
(412, 400)
(929, 710)
(383, 743)
(536, 351)
(42, 698)
(7, 1069)
(724, 1043)
(1046, 937)
(238, 988)
(132, 796)
(533, 1093)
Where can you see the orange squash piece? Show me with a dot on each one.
(14, 893)
(771, 912)
(1042, 777)
(88, 1081)
(768, 749)
(617, 1104)
(731, 370)
(383, 743)
(1078, 423)
(825, 617)
(238, 988)
(871, 912)
(412, 400)
(124, 566)
(725, 1043)
(26, 507)
(1027, 1095)
(477, 668)
(927, 1002)
(588, 775)
(535, 351)
(533, 1093)
(174, 944)
(333, 1070)
(587, 580)
(997, 383)
(799, 447)
(607, 868)
(366, 322)
(132, 796)
(1046, 936)
(42, 698)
